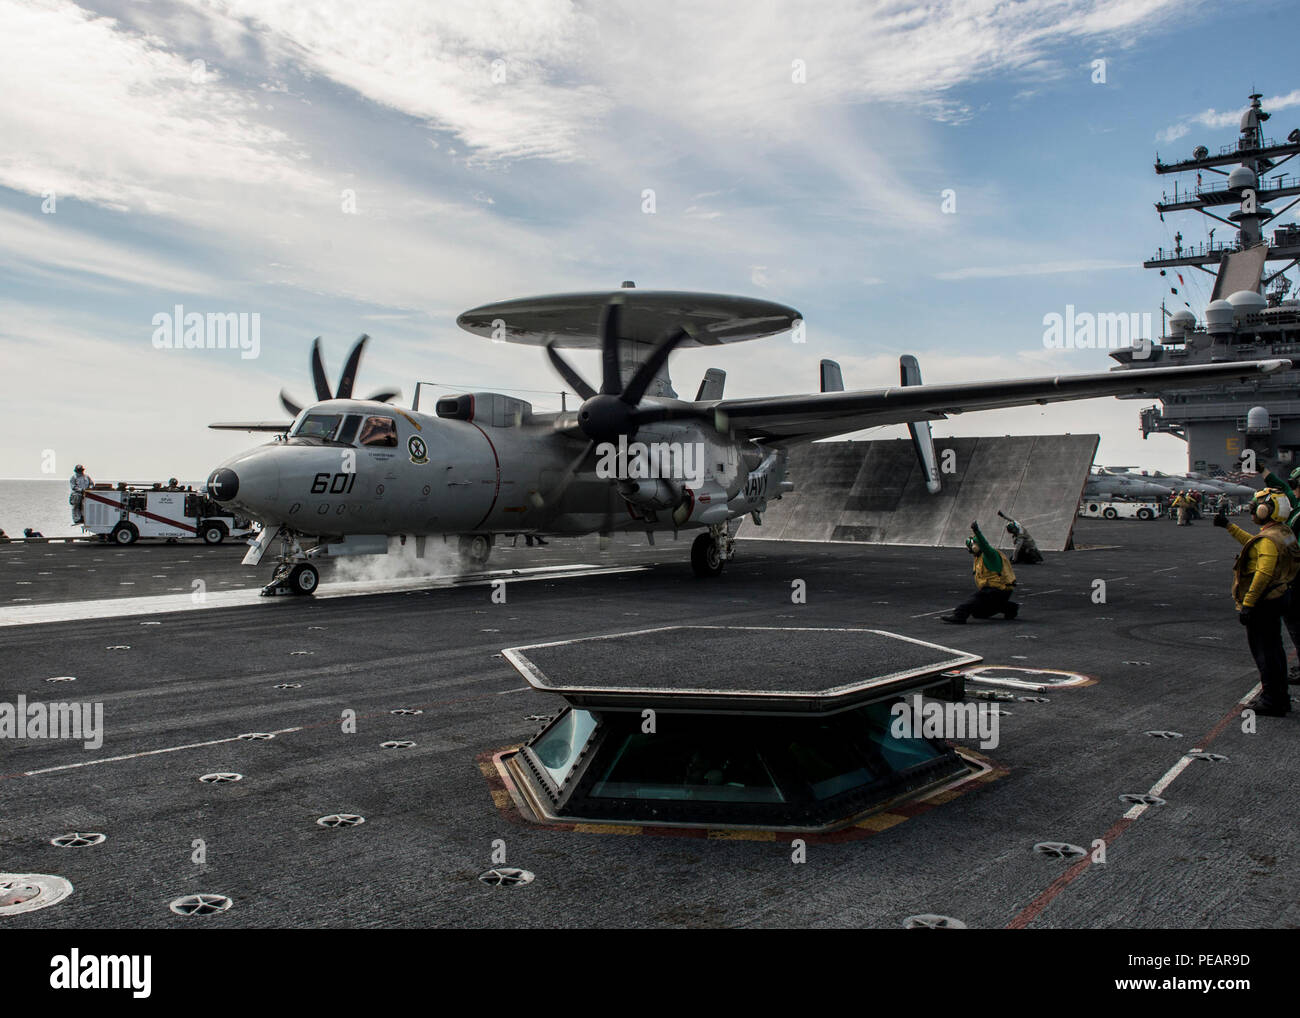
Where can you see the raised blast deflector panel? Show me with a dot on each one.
(874, 492)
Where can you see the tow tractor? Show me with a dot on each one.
(1117, 510)
(124, 512)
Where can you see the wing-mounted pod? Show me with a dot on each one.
(922, 439)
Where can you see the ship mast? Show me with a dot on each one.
(1251, 186)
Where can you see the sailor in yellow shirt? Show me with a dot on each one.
(1261, 584)
(994, 581)
(1180, 505)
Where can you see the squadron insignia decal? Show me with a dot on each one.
(418, 450)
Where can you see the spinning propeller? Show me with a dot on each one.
(346, 379)
(613, 411)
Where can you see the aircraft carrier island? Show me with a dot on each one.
(1243, 189)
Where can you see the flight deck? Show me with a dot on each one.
(365, 732)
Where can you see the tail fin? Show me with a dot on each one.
(832, 377)
(922, 439)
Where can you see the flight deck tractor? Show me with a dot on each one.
(123, 513)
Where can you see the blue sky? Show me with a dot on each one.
(199, 152)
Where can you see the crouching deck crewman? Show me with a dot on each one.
(994, 581)
(1262, 576)
(1026, 548)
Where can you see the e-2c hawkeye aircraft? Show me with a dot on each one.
(347, 473)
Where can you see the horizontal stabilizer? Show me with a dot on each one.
(276, 426)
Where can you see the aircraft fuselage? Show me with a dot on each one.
(495, 473)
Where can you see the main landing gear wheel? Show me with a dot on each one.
(475, 549)
(124, 534)
(706, 557)
(213, 533)
(301, 579)
(304, 579)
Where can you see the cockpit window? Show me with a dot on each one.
(317, 426)
(348, 432)
(379, 431)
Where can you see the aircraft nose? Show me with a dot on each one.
(250, 482)
(223, 484)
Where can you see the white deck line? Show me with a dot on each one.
(123, 607)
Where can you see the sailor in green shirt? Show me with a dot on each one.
(1292, 615)
(994, 580)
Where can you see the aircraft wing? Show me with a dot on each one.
(791, 419)
(276, 426)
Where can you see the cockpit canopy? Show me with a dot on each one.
(342, 428)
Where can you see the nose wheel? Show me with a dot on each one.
(301, 580)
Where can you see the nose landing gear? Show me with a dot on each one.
(301, 579)
(293, 575)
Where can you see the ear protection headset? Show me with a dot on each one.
(1270, 505)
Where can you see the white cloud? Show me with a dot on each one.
(1213, 119)
(1033, 269)
(53, 246)
(560, 70)
(113, 117)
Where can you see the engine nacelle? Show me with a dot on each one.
(651, 493)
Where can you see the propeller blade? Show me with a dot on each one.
(349, 375)
(611, 382)
(566, 478)
(567, 373)
(318, 371)
(293, 408)
(386, 395)
(651, 366)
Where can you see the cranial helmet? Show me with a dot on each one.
(1270, 504)
(971, 545)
